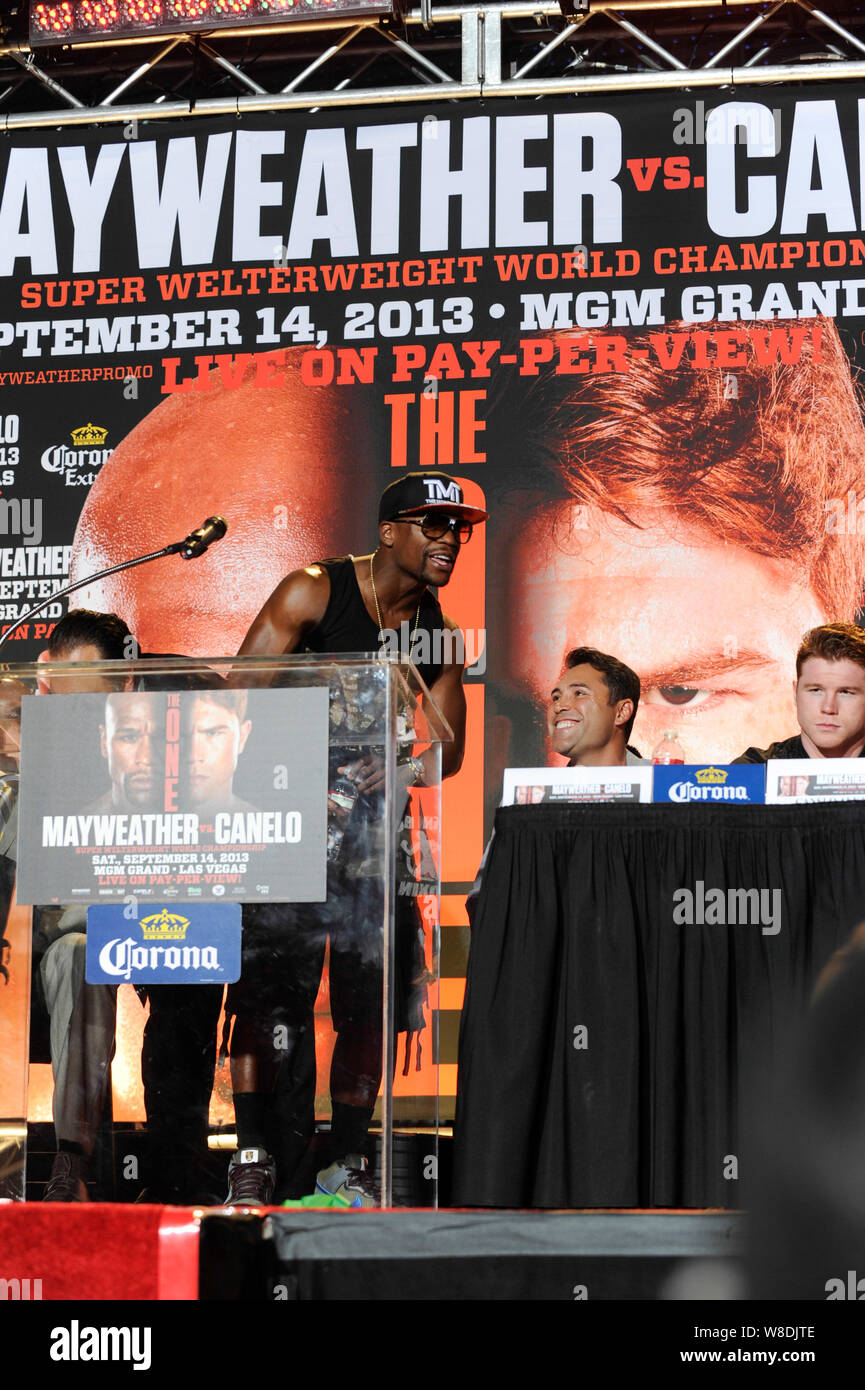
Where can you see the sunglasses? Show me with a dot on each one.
(434, 525)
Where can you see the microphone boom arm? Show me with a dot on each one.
(175, 549)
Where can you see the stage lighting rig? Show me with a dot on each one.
(88, 21)
(572, 9)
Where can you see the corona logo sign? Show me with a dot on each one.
(164, 926)
(711, 784)
(89, 436)
(202, 946)
(88, 453)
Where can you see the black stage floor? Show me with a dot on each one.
(468, 1255)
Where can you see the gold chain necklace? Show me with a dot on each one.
(378, 610)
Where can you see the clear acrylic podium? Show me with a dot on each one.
(306, 790)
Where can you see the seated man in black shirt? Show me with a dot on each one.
(830, 698)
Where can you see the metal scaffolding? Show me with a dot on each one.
(440, 53)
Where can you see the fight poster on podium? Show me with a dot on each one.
(198, 793)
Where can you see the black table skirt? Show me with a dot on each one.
(575, 929)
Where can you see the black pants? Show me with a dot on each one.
(178, 1059)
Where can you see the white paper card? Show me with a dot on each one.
(799, 780)
(533, 786)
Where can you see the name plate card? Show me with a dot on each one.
(557, 786)
(791, 781)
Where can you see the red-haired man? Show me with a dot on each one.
(830, 698)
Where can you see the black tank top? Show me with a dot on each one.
(347, 627)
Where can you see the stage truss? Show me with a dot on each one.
(441, 53)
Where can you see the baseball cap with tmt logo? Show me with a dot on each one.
(415, 494)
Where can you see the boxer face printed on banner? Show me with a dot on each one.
(173, 820)
(133, 742)
(215, 731)
(694, 537)
(654, 597)
(282, 462)
(793, 786)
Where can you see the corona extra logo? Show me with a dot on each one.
(89, 436)
(164, 926)
(711, 776)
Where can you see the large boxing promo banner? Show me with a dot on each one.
(633, 324)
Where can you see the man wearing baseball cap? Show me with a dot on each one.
(351, 604)
(344, 605)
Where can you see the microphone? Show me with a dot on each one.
(211, 530)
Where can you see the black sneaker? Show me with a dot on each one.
(349, 1178)
(67, 1181)
(251, 1179)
